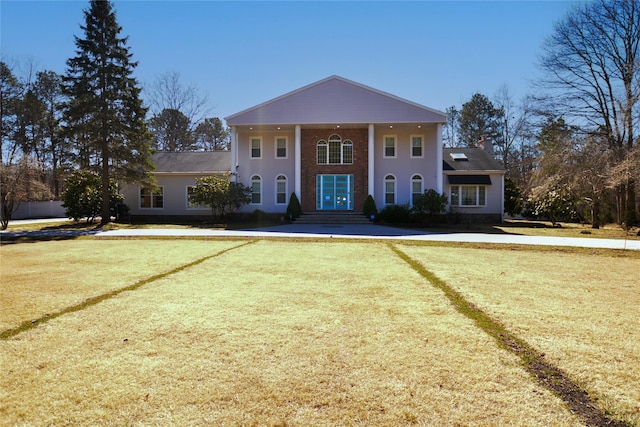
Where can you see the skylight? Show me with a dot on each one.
(458, 156)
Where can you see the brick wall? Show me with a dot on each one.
(310, 168)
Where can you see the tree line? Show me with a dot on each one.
(570, 151)
(93, 118)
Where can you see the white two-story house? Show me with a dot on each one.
(332, 143)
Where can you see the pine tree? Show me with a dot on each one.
(104, 117)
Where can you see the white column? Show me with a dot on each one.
(439, 154)
(372, 157)
(234, 154)
(298, 163)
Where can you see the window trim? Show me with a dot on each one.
(384, 146)
(256, 178)
(421, 156)
(152, 196)
(286, 187)
(412, 180)
(251, 139)
(286, 147)
(458, 203)
(395, 188)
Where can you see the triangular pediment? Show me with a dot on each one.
(336, 100)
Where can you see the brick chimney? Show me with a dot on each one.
(486, 144)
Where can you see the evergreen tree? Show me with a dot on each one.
(104, 117)
(212, 135)
(479, 118)
(171, 131)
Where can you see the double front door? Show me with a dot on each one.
(334, 192)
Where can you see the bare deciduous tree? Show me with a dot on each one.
(592, 74)
(516, 135)
(167, 92)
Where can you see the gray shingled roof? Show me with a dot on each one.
(478, 160)
(192, 162)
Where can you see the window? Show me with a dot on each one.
(322, 152)
(281, 147)
(256, 190)
(335, 151)
(281, 190)
(416, 145)
(347, 152)
(389, 189)
(416, 188)
(389, 146)
(256, 148)
(335, 143)
(151, 200)
(192, 204)
(468, 195)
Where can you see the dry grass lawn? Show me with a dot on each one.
(578, 308)
(271, 333)
(43, 278)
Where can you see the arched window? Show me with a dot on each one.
(281, 190)
(416, 188)
(322, 152)
(256, 189)
(334, 150)
(389, 189)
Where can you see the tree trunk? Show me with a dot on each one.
(630, 215)
(106, 194)
(595, 213)
(620, 196)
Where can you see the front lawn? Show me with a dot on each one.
(290, 332)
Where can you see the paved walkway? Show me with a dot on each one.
(366, 231)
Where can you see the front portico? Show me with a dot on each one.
(334, 142)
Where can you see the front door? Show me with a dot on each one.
(334, 192)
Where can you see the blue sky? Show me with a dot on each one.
(243, 53)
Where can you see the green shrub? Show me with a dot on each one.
(82, 197)
(430, 202)
(220, 194)
(396, 214)
(369, 207)
(513, 198)
(294, 210)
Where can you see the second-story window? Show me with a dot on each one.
(335, 151)
(389, 146)
(281, 147)
(256, 148)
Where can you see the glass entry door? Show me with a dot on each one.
(334, 192)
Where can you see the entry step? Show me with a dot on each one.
(332, 217)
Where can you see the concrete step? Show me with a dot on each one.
(332, 218)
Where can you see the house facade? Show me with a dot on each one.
(332, 143)
(176, 175)
(474, 183)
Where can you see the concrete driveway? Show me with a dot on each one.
(371, 231)
(365, 231)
